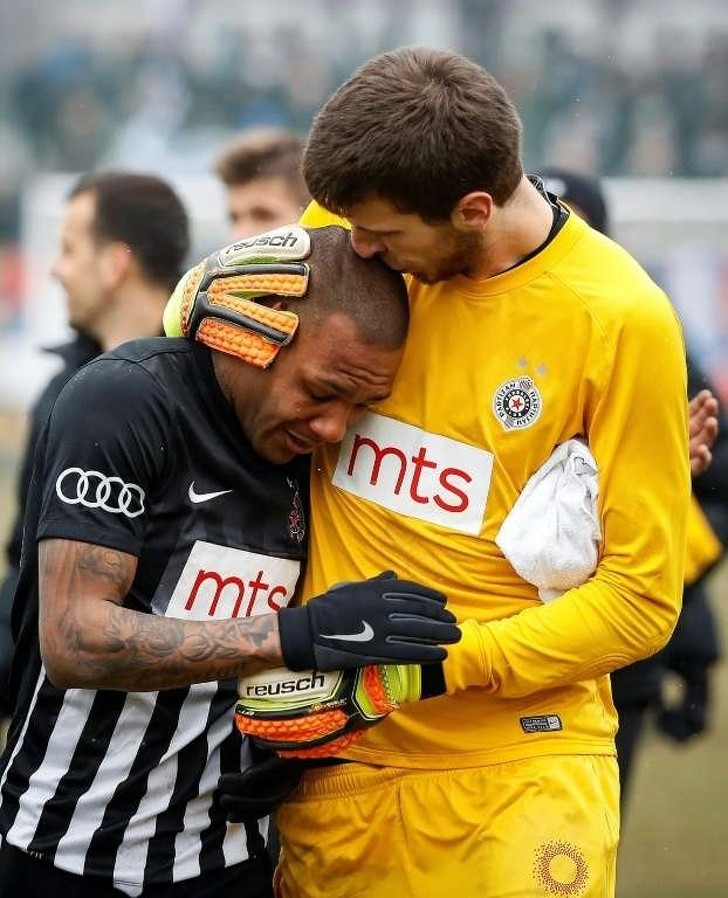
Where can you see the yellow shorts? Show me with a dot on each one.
(538, 828)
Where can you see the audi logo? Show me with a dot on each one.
(92, 489)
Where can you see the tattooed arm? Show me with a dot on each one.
(89, 640)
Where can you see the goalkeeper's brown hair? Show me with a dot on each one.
(419, 127)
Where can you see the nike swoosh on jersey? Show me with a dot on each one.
(196, 498)
(366, 634)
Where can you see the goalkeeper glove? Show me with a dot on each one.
(316, 715)
(380, 620)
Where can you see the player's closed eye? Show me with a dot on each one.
(321, 397)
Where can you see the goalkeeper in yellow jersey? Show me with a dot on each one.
(529, 330)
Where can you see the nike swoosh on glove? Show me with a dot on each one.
(377, 621)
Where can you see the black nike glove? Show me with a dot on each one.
(383, 620)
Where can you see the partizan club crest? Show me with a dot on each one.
(517, 403)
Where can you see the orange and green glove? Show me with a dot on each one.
(312, 714)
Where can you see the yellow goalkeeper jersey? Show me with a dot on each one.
(575, 342)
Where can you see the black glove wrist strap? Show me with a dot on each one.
(294, 626)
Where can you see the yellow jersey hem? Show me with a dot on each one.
(501, 755)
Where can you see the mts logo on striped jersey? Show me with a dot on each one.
(219, 583)
(416, 473)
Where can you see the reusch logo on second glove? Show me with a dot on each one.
(416, 473)
(269, 685)
(289, 690)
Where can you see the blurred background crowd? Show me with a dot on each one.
(620, 87)
(608, 87)
(632, 91)
(611, 86)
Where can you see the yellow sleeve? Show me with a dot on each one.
(637, 432)
(315, 216)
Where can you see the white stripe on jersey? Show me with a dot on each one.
(60, 749)
(132, 854)
(18, 744)
(39, 683)
(114, 769)
(197, 815)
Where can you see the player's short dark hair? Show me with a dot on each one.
(145, 213)
(264, 153)
(418, 127)
(366, 290)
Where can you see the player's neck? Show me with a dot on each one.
(132, 317)
(515, 231)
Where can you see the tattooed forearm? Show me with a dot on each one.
(88, 639)
(159, 653)
(98, 561)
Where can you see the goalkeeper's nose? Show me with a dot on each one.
(366, 245)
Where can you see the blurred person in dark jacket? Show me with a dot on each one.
(261, 171)
(694, 647)
(124, 239)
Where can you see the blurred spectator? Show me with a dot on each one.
(123, 247)
(261, 170)
(88, 97)
(61, 103)
(694, 647)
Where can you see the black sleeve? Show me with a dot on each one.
(37, 418)
(107, 450)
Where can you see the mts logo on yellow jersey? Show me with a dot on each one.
(416, 473)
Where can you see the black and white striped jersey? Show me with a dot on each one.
(143, 454)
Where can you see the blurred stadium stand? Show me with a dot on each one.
(609, 87)
(616, 86)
